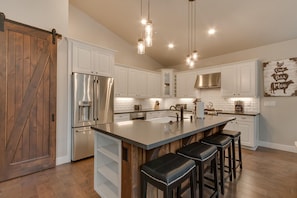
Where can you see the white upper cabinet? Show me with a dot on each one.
(154, 85)
(120, 81)
(167, 86)
(185, 84)
(103, 62)
(240, 80)
(137, 83)
(90, 59)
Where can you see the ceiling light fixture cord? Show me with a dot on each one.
(189, 29)
(140, 9)
(148, 9)
(194, 25)
(140, 42)
(192, 52)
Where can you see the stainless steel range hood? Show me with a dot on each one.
(207, 81)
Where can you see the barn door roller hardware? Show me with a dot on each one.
(2, 18)
(53, 32)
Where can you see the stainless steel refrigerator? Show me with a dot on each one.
(92, 103)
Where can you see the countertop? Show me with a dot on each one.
(219, 112)
(239, 113)
(143, 110)
(149, 135)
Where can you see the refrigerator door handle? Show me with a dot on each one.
(98, 100)
(94, 99)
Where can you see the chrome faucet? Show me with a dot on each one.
(172, 106)
(181, 113)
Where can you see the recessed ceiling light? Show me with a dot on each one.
(170, 45)
(211, 31)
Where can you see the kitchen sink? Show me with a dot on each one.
(164, 119)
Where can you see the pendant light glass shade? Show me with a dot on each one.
(195, 55)
(140, 46)
(192, 63)
(148, 41)
(149, 33)
(188, 60)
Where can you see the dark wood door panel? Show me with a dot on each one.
(27, 102)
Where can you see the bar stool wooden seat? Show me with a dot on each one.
(202, 154)
(235, 135)
(167, 173)
(222, 143)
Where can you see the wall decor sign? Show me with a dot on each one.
(280, 77)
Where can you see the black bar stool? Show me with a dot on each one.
(167, 173)
(202, 154)
(222, 143)
(235, 135)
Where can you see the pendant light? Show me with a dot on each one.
(147, 41)
(140, 46)
(140, 42)
(192, 56)
(149, 28)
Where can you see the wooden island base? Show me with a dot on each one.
(133, 157)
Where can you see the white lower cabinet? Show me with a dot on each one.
(248, 126)
(107, 166)
(121, 117)
(153, 114)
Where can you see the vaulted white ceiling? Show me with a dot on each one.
(240, 24)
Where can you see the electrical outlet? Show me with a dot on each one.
(269, 103)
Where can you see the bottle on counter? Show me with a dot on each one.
(198, 109)
(157, 105)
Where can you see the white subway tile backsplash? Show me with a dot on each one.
(207, 95)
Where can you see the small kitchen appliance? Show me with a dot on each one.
(137, 107)
(239, 106)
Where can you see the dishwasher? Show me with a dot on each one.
(138, 115)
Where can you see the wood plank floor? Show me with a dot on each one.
(266, 173)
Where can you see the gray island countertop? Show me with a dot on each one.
(149, 135)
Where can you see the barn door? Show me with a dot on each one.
(27, 100)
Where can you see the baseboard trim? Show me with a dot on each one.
(281, 147)
(62, 160)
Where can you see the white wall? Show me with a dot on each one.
(38, 13)
(278, 127)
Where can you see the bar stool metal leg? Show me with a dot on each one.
(203, 154)
(235, 135)
(239, 152)
(222, 143)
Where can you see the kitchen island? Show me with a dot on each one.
(122, 147)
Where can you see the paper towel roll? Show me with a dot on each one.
(200, 110)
